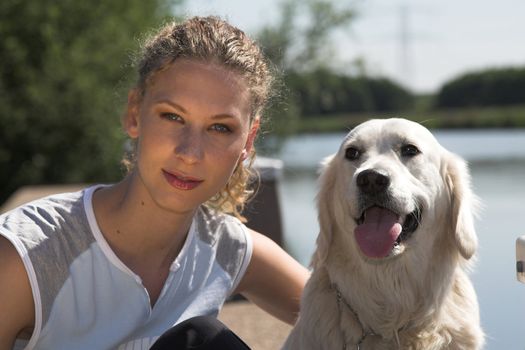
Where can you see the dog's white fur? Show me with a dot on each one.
(418, 297)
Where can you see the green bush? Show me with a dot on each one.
(388, 96)
(62, 65)
(493, 87)
(322, 92)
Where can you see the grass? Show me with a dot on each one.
(474, 117)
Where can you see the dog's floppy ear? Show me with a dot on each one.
(463, 204)
(324, 204)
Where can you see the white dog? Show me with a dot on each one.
(396, 237)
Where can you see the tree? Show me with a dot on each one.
(63, 63)
(323, 92)
(301, 38)
(490, 87)
(300, 42)
(300, 46)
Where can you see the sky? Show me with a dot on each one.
(421, 44)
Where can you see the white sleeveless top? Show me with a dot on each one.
(86, 298)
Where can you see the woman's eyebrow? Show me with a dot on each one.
(220, 116)
(172, 104)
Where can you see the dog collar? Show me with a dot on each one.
(342, 301)
(365, 333)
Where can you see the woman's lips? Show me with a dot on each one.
(180, 181)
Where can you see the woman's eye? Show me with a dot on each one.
(409, 150)
(221, 128)
(171, 116)
(352, 153)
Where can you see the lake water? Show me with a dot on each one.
(497, 163)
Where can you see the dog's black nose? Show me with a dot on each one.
(372, 181)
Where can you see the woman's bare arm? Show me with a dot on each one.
(16, 300)
(274, 280)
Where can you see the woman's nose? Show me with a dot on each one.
(189, 146)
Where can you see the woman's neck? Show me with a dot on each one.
(139, 231)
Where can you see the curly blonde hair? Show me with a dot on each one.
(210, 39)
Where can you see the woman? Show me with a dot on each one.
(115, 266)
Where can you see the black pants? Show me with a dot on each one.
(202, 333)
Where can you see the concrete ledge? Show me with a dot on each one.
(28, 193)
(258, 329)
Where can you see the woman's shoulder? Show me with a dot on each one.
(46, 219)
(214, 226)
(45, 207)
(229, 238)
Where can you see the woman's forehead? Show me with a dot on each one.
(187, 81)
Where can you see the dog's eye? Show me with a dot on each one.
(352, 153)
(409, 151)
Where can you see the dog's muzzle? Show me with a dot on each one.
(382, 224)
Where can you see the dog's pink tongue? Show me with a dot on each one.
(377, 234)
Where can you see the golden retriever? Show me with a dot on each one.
(396, 237)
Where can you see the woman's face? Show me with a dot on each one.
(193, 127)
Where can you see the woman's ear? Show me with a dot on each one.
(130, 120)
(251, 138)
